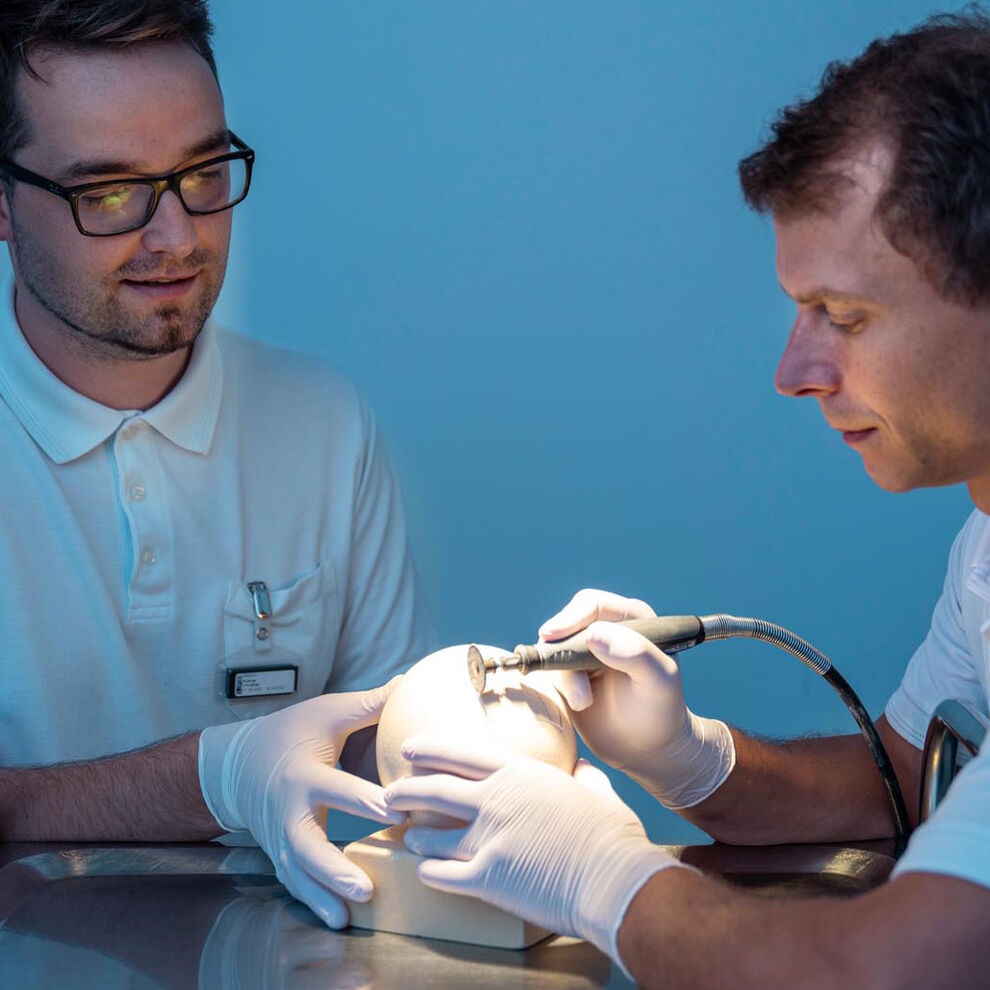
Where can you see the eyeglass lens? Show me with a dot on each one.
(118, 207)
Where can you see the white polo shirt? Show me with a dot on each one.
(953, 662)
(127, 540)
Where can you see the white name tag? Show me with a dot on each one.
(259, 682)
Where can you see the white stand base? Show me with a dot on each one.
(403, 904)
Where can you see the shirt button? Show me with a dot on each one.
(139, 493)
(148, 557)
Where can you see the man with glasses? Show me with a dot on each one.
(195, 529)
(118, 206)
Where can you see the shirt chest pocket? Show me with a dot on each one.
(301, 632)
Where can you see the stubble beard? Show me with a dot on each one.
(916, 461)
(96, 318)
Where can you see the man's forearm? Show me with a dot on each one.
(686, 930)
(807, 790)
(151, 794)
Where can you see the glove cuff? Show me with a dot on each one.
(695, 763)
(215, 745)
(621, 876)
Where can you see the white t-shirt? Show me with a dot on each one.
(953, 662)
(127, 540)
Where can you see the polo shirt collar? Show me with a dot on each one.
(67, 425)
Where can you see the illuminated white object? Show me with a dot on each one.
(521, 714)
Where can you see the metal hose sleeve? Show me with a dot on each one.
(721, 626)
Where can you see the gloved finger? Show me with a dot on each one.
(356, 709)
(620, 648)
(324, 903)
(435, 751)
(313, 853)
(590, 605)
(440, 792)
(588, 775)
(451, 875)
(334, 788)
(574, 687)
(437, 843)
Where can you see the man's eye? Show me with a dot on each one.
(847, 323)
(205, 177)
(107, 200)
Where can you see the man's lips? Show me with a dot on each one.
(161, 286)
(853, 437)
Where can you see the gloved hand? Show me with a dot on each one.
(275, 776)
(563, 852)
(633, 715)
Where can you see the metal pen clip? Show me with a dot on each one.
(262, 614)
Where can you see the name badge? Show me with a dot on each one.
(257, 682)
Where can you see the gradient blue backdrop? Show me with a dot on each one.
(517, 226)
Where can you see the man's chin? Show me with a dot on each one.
(895, 487)
(158, 328)
(899, 478)
(891, 478)
(155, 342)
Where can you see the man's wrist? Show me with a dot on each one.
(215, 744)
(692, 766)
(613, 884)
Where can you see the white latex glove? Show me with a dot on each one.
(275, 777)
(633, 714)
(563, 852)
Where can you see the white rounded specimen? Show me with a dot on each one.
(522, 715)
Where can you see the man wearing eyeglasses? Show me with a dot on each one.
(195, 530)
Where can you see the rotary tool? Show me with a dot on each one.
(674, 633)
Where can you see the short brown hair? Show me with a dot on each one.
(926, 93)
(29, 25)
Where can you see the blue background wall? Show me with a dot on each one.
(517, 226)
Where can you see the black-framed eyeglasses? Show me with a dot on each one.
(117, 206)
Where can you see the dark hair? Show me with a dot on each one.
(926, 93)
(27, 26)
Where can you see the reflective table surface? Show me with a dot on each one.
(212, 917)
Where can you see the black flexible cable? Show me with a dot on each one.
(728, 626)
(895, 799)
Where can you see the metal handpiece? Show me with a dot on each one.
(672, 633)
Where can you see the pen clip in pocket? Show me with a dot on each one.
(262, 602)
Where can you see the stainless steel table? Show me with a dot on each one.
(211, 917)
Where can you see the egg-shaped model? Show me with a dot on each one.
(523, 714)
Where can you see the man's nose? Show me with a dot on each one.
(171, 229)
(808, 366)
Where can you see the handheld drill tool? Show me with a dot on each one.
(674, 633)
(671, 633)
